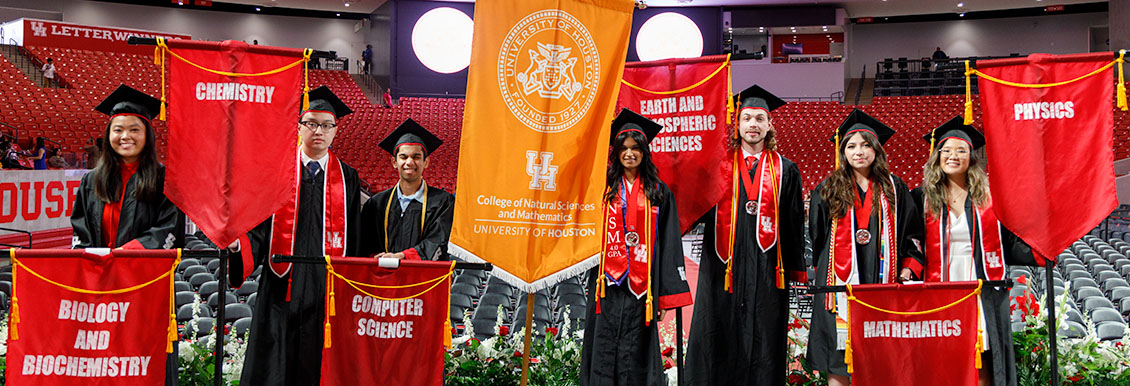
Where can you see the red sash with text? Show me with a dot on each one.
(629, 240)
(762, 195)
(91, 318)
(283, 225)
(905, 334)
(1048, 123)
(690, 98)
(989, 238)
(386, 326)
(232, 132)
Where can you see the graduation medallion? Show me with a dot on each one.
(862, 237)
(632, 238)
(750, 207)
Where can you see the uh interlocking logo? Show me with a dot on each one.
(548, 69)
(38, 29)
(542, 176)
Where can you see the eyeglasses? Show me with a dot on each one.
(313, 126)
(948, 152)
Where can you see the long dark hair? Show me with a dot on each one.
(107, 177)
(840, 189)
(649, 174)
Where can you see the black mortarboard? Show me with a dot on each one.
(757, 97)
(126, 100)
(324, 100)
(629, 120)
(860, 121)
(956, 128)
(411, 133)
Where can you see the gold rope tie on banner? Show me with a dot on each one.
(159, 59)
(329, 301)
(306, 78)
(356, 285)
(447, 321)
(968, 95)
(15, 316)
(172, 306)
(1121, 98)
(724, 65)
(729, 91)
(1121, 93)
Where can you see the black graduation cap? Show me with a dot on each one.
(410, 132)
(126, 100)
(956, 128)
(322, 99)
(860, 121)
(755, 96)
(629, 120)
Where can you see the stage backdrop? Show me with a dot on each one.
(540, 96)
(690, 98)
(1049, 145)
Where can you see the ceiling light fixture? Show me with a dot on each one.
(959, 5)
(961, 14)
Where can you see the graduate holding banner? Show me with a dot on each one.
(754, 242)
(964, 239)
(862, 223)
(319, 219)
(641, 268)
(410, 220)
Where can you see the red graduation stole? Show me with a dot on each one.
(284, 222)
(842, 259)
(767, 181)
(989, 235)
(628, 247)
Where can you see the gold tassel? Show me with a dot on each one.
(847, 355)
(837, 140)
(933, 135)
(650, 310)
(968, 95)
(977, 350)
(329, 301)
(172, 333)
(306, 76)
(447, 332)
(161, 62)
(14, 317)
(1121, 98)
(161, 116)
(729, 283)
(327, 334)
(729, 92)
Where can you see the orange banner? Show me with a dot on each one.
(540, 96)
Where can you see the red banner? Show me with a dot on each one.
(386, 326)
(689, 97)
(1050, 149)
(936, 341)
(91, 319)
(48, 33)
(233, 160)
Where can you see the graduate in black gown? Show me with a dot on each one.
(859, 206)
(751, 247)
(964, 239)
(410, 220)
(285, 343)
(641, 268)
(138, 216)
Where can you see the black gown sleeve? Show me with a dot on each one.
(371, 236)
(1016, 251)
(83, 235)
(818, 227)
(353, 210)
(791, 216)
(160, 232)
(912, 231)
(437, 228)
(917, 195)
(673, 290)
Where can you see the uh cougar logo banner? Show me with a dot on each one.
(540, 96)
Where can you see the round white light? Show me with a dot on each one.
(441, 40)
(668, 35)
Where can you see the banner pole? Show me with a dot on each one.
(679, 346)
(529, 331)
(218, 350)
(1053, 356)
